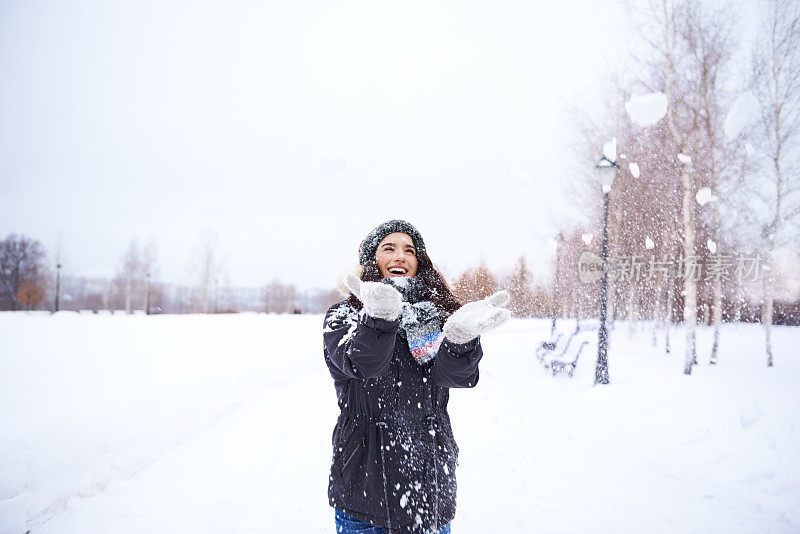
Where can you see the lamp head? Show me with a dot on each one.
(607, 171)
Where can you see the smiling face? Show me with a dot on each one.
(396, 256)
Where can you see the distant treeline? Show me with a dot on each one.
(29, 283)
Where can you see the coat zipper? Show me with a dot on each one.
(381, 427)
(434, 430)
(352, 455)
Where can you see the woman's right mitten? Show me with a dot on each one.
(381, 301)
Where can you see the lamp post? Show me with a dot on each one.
(58, 284)
(607, 171)
(147, 307)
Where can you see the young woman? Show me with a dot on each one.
(393, 349)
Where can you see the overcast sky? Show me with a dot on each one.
(292, 128)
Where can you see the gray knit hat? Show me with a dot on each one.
(368, 247)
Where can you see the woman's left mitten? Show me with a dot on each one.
(475, 318)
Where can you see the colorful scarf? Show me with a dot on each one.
(420, 323)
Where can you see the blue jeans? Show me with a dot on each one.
(346, 524)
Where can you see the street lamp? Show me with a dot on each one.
(58, 283)
(147, 307)
(606, 171)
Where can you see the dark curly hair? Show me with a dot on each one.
(439, 291)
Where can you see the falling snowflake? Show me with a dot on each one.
(704, 196)
(610, 150)
(646, 110)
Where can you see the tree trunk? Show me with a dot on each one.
(687, 182)
(689, 283)
(631, 309)
(657, 316)
(128, 291)
(772, 238)
(717, 306)
(769, 297)
(768, 304)
(668, 309)
(717, 319)
(610, 304)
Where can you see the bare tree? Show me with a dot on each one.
(321, 300)
(706, 37)
(21, 273)
(672, 67)
(475, 284)
(776, 85)
(520, 287)
(208, 262)
(128, 274)
(681, 138)
(148, 270)
(279, 297)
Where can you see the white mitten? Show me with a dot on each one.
(475, 318)
(381, 301)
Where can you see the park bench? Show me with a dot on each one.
(546, 353)
(561, 366)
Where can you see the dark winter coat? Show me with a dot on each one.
(393, 441)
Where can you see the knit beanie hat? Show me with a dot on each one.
(368, 247)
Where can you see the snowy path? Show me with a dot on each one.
(244, 441)
(261, 459)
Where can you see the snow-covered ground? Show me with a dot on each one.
(131, 424)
